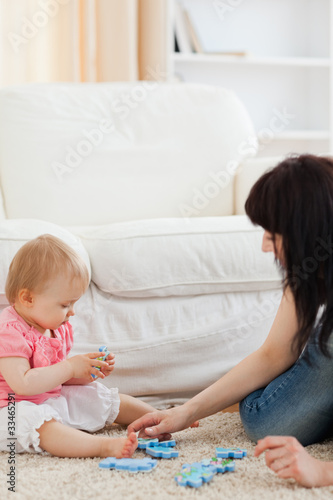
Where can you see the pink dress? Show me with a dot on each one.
(17, 338)
(88, 407)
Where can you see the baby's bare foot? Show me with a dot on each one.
(121, 447)
(130, 446)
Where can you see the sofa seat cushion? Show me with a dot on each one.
(16, 232)
(164, 257)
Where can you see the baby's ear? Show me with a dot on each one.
(25, 297)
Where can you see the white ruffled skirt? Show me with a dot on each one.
(85, 407)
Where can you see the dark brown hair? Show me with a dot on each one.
(295, 200)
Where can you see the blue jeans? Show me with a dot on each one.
(297, 403)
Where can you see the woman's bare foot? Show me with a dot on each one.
(120, 447)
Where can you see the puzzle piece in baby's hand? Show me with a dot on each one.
(195, 475)
(162, 451)
(129, 464)
(230, 452)
(221, 465)
(105, 352)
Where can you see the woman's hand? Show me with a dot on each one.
(289, 459)
(111, 361)
(84, 365)
(160, 424)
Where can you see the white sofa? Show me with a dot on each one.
(140, 178)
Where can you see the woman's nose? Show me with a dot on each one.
(267, 243)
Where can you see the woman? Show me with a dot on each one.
(285, 388)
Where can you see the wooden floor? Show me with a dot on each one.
(231, 409)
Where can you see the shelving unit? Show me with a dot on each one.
(287, 68)
(253, 60)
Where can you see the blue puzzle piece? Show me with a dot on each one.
(166, 444)
(230, 453)
(221, 465)
(145, 443)
(129, 464)
(195, 475)
(162, 451)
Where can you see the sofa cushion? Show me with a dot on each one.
(179, 257)
(99, 153)
(14, 233)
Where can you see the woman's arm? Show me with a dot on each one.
(27, 381)
(257, 370)
(289, 459)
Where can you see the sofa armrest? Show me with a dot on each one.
(247, 174)
(2, 206)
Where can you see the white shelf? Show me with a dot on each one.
(285, 76)
(251, 60)
(303, 135)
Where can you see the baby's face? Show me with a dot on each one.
(55, 305)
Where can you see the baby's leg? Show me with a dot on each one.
(63, 441)
(131, 409)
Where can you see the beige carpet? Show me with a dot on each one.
(44, 477)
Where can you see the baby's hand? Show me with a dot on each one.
(111, 361)
(84, 365)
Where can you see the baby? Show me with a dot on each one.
(56, 397)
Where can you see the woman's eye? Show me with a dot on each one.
(64, 306)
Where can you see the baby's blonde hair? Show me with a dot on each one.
(39, 261)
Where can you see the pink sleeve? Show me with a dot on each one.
(13, 342)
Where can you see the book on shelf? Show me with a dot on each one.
(181, 30)
(192, 35)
